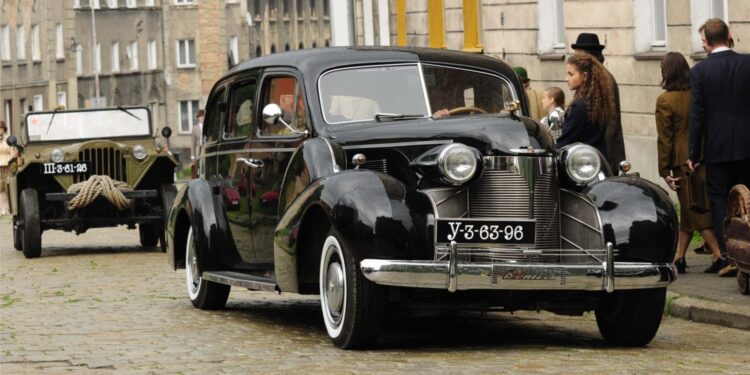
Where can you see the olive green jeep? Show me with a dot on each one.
(92, 168)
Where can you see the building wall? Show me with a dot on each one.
(510, 30)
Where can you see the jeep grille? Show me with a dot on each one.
(102, 161)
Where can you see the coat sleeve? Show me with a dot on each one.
(574, 124)
(697, 115)
(665, 136)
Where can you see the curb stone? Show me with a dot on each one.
(705, 311)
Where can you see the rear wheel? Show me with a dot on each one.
(168, 193)
(205, 295)
(353, 307)
(31, 234)
(148, 235)
(631, 317)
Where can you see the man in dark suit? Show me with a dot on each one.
(720, 121)
(613, 138)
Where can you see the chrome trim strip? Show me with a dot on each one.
(453, 269)
(398, 144)
(609, 269)
(581, 222)
(230, 152)
(336, 167)
(516, 276)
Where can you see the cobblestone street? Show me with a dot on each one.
(99, 303)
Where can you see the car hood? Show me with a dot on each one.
(489, 134)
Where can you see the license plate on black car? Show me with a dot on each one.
(485, 231)
(74, 167)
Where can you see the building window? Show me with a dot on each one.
(234, 50)
(182, 2)
(62, 99)
(5, 43)
(132, 52)
(22, 103)
(36, 51)
(98, 58)
(130, 3)
(79, 60)
(551, 37)
(300, 9)
(20, 43)
(76, 4)
(700, 12)
(257, 8)
(112, 4)
(38, 103)
(115, 57)
(650, 25)
(149, 3)
(59, 47)
(151, 54)
(188, 109)
(287, 8)
(186, 53)
(95, 4)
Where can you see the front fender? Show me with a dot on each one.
(379, 216)
(198, 208)
(637, 217)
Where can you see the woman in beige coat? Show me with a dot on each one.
(673, 126)
(7, 154)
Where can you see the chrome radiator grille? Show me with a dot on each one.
(380, 165)
(520, 187)
(102, 161)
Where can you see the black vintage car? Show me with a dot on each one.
(394, 180)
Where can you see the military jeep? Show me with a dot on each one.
(92, 168)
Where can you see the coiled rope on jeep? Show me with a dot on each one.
(99, 185)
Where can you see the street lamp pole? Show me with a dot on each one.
(94, 57)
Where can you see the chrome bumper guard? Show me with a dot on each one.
(453, 275)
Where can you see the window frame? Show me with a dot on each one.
(234, 49)
(20, 44)
(188, 64)
(551, 36)
(5, 55)
(131, 4)
(59, 42)
(230, 106)
(191, 115)
(97, 68)
(261, 93)
(79, 60)
(114, 61)
(152, 55)
(64, 96)
(36, 44)
(133, 56)
(38, 101)
(112, 4)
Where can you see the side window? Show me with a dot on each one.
(287, 93)
(214, 116)
(241, 110)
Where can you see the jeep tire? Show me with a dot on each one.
(31, 234)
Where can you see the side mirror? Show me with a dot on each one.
(272, 113)
(12, 141)
(166, 132)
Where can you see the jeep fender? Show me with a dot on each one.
(637, 217)
(379, 216)
(196, 206)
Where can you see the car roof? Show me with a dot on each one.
(317, 60)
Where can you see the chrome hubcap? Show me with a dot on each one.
(191, 267)
(335, 289)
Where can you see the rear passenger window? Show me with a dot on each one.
(214, 117)
(241, 110)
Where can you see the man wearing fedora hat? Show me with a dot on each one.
(589, 43)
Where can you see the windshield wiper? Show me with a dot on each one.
(379, 117)
(49, 124)
(128, 112)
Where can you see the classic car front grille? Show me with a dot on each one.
(102, 161)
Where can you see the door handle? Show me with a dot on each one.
(253, 163)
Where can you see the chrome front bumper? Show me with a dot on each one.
(453, 275)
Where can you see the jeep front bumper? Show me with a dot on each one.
(453, 275)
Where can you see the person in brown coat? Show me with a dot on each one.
(673, 128)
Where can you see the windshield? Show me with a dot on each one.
(105, 123)
(398, 92)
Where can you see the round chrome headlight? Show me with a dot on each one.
(583, 163)
(139, 152)
(458, 163)
(57, 155)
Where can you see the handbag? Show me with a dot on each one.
(697, 194)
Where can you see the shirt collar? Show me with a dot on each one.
(720, 49)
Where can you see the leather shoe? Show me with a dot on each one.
(729, 271)
(681, 265)
(716, 266)
(702, 249)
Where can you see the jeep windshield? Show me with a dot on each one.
(400, 92)
(88, 124)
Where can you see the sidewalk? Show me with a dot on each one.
(707, 298)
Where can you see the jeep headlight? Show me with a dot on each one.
(458, 163)
(582, 163)
(139, 152)
(57, 155)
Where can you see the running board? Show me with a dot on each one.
(242, 280)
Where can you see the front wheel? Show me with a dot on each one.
(31, 234)
(631, 317)
(204, 295)
(353, 307)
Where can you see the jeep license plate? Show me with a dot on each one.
(485, 231)
(74, 167)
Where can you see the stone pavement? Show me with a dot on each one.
(708, 298)
(99, 303)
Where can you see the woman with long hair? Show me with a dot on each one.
(673, 128)
(593, 105)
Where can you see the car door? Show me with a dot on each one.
(273, 146)
(232, 179)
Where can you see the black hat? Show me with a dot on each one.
(587, 41)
